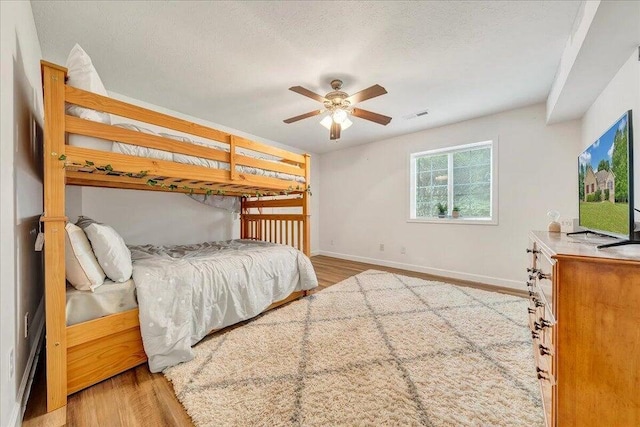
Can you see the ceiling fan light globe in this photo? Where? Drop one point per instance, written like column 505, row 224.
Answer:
column 339, row 115
column 326, row 122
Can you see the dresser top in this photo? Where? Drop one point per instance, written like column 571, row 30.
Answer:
column 583, row 245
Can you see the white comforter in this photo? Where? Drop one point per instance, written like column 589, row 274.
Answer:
column 186, row 291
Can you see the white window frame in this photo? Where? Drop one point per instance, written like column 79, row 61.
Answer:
column 492, row 220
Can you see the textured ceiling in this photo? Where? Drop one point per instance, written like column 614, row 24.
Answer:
column 232, row 62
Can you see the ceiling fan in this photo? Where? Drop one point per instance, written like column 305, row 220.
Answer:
column 339, row 105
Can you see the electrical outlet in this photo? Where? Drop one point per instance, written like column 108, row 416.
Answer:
column 403, row 250
column 12, row 365
column 382, row 247
column 26, row 325
column 566, row 225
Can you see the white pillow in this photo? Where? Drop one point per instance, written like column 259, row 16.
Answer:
column 82, row 268
column 112, row 252
column 192, row 160
column 82, row 74
column 137, row 150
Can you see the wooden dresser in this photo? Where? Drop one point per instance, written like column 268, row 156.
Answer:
column 584, row 317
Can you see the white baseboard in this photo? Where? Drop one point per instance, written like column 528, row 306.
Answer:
column 314, row 253
column 496, row 281
column 27, row 378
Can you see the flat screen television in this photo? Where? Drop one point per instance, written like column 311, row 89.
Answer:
column 605, row 182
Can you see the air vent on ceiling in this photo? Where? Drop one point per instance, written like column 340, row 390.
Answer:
column 415, row 115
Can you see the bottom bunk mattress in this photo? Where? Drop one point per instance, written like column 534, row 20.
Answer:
column 109, row 298
column 186, row 291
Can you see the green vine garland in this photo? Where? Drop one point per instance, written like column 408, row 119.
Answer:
column 172, row 187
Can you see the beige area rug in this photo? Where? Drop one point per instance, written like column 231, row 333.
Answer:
column 375, row 349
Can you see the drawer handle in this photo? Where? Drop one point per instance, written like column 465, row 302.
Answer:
column 537, row 302
column 542, row 276
column 545, row 323
column 531, row 310
column 533, row 270
column 530, row 284
column 541, row 376
column 533, row 295
column 545, row 351
column 535, row 335
column 532, row 277
column 532, row 251
column 539, row 326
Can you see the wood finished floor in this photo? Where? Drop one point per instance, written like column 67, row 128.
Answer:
column 139, row 398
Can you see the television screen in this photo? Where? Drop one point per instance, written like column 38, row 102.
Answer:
column 605, row 181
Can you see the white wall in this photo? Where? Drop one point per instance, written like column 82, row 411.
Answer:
column 620, row 95
column 365, row 198
column 161, row 218
column 21, row 288
column 158, row 218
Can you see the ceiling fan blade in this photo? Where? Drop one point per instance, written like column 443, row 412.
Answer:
column 303, row 116
column 308, row 93
column 371, row 116
column 363, row 95
column 334, row 133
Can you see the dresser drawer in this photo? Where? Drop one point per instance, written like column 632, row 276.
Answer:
column 542, row 331
column 546, row 391
column 544, row 354
column 541, row 272
column 544, row 361
column 544, row 279
column 540, row 312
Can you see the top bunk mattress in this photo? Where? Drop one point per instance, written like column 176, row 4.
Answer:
column 135, row 150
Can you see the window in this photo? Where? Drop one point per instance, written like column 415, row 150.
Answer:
column 458, row 177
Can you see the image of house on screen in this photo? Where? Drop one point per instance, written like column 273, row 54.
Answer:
column 599, row 186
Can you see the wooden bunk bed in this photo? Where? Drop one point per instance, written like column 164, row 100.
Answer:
column 86, row 353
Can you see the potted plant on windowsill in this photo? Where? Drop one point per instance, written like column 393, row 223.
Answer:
column 455, row 212
column 442, row 210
